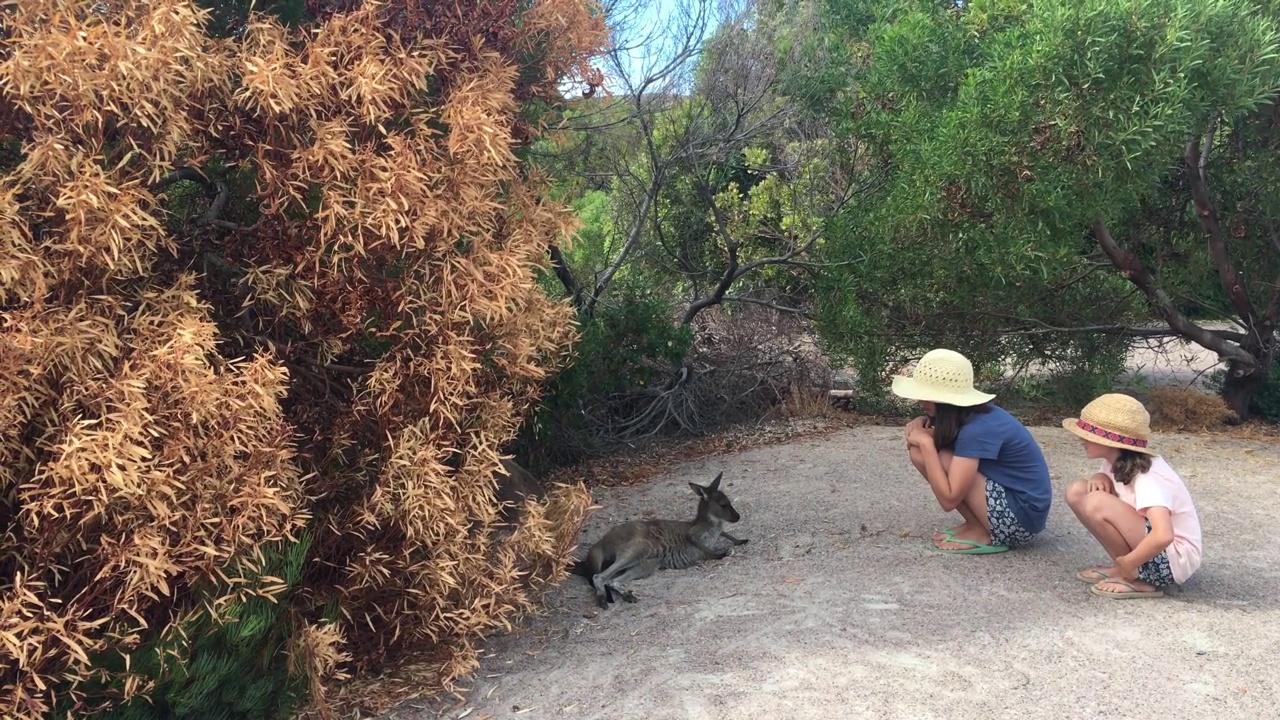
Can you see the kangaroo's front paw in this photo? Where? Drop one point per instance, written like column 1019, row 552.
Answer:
column 628, row 596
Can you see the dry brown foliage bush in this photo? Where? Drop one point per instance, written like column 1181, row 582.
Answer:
column 345, row 347
column 1175, row 409
column 761, row 363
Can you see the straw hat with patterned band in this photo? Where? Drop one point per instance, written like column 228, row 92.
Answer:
column 941, row 376
column 1114, row 420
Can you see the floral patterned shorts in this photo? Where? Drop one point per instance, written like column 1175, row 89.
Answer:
column 1005, row 529
column 1156, row 570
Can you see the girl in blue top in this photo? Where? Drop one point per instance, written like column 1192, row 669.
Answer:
column 977, row 458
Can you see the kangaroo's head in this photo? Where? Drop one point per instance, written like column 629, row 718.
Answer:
column 713, row 504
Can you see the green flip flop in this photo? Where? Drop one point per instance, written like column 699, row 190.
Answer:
column 977, row 549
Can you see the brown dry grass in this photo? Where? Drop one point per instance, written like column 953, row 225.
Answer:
column 1176, row 409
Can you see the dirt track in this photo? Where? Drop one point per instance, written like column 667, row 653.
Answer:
column 837, row 609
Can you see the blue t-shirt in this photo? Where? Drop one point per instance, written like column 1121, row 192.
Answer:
column 1010, row 457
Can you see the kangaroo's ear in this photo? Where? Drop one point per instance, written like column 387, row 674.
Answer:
column 701, row 491
column 715, row 484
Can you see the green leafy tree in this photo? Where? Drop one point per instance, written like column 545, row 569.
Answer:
column 701, row 272
column 1063, row 174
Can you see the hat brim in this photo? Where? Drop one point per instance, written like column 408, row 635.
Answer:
column 1070, row 426
column 912, row 389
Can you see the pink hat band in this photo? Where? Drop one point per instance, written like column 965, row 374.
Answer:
column 1112, row 436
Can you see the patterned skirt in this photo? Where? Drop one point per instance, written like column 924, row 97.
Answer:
column 1005, row 528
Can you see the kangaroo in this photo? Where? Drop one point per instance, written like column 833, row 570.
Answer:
column 514, row 485
column 635, row 549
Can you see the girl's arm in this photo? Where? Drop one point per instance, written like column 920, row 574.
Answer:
column 1160, row 537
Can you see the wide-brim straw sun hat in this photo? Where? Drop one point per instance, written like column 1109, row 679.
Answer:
column 941, row 376
column 1114, row 420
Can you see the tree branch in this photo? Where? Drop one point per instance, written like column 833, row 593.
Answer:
column 780, row 259
column 184, row 173
column 335, row 367
column 731, row 272
column 1272, row 314
column 1135, row 272
column 766, row 303
column 1208, row 147
column 1232, row 283
column 565, row 274
column 1125, row 330
column 216, row 190
column 633, row 239
column 214, row 213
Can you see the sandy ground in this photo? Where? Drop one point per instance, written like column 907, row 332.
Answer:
column 838, row 609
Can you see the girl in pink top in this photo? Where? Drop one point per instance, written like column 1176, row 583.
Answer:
column 1136, row 505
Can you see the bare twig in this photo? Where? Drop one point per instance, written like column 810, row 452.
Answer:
column 226, row 225
column 1124, row 330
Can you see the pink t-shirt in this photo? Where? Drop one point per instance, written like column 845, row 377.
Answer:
column 1162, row 486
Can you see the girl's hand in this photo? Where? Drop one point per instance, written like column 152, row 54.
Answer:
column 1100, row 482
column 919, row 423
column 920, row 437
column 1126, row 569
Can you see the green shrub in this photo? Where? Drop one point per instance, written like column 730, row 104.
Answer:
column 630, row 343
column 233, row 668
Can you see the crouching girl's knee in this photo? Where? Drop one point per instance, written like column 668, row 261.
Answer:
column 917, row 457
column 1077, row 492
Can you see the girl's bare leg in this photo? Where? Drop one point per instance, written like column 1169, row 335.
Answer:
column 1113, row 522
column 977, row 530
column 973, row 509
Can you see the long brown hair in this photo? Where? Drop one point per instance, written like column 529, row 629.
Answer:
column 1130, row 465
column 948, row 419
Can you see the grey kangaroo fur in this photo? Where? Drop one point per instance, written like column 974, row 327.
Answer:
column 637, row 548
